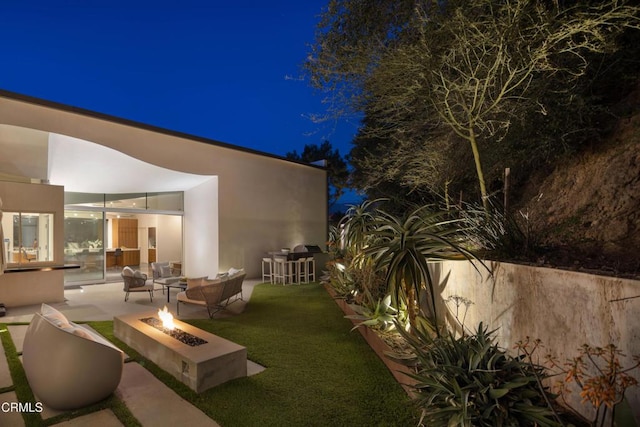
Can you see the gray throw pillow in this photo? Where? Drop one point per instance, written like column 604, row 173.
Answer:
column 165, row 271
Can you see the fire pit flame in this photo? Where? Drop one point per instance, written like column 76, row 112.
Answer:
column 167, row 319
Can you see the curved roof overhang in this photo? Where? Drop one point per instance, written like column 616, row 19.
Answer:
column 106, row 162
column 87, row 167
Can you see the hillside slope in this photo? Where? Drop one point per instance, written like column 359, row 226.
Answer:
column 587, row 212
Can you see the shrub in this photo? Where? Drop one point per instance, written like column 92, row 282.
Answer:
column 350, row 272
column 601, row 379
column 470, row 381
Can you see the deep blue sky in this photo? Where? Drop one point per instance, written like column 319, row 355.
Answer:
column 228, row 71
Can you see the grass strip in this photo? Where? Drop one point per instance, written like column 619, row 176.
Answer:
column 318, row 371
column 21, row 385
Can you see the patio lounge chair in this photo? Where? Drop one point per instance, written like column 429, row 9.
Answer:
column 86, row 367
column 135, row 281
column 164, row 274
column 215, row 294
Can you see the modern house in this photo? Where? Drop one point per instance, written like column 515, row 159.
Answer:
column 98, row 192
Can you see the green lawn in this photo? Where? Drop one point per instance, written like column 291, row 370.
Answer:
column 318, row 372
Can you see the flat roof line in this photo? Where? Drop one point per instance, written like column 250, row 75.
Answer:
column 119, row 120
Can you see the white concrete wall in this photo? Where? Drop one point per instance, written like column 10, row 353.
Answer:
column 564, row 309
column 169, row 239
column 266, row 206
column 144, row 223
column 33, row 287
column 201, row 248
column 21, row 152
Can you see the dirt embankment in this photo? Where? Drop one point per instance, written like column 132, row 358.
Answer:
column 588, row 210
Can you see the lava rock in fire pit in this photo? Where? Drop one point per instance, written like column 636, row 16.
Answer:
column 179, row 334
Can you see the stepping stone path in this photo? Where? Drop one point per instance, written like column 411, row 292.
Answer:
column 150, row 401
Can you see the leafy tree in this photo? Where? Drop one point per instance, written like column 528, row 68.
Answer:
column 431, row 74
column 337, row 171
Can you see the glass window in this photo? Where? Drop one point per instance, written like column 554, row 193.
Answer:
column 166, row 201
column 83, row 199
column 126, row 201
column 28, row 237
column 84, row 245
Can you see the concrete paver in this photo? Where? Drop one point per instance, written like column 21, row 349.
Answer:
column 47, row 411
column 155, row 404
column 8, row 417
column 104, row 418
column 17, row 335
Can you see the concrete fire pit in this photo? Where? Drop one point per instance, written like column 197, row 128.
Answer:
column 199, row 366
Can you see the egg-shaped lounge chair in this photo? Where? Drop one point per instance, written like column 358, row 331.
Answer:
column 68, row 366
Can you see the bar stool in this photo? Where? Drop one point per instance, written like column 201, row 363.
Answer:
column 290, row 271
column 267, row 263
column 116, row 255
column 301, row 270
column 284, row 270
column 279, row 269
column 310, row 269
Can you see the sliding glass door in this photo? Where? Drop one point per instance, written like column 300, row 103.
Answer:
column 105, row 232
column 84, row 246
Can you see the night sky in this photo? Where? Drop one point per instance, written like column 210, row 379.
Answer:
column 229, row 71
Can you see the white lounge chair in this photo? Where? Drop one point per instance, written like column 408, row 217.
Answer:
column 67, row 365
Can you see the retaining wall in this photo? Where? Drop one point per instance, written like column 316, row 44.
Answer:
column 564, row 309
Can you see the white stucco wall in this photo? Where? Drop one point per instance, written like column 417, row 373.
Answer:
column 31, row 287
column 22, row 153
column 201, row 230
column 564, row 309
column 169, row 238
column 273, row 206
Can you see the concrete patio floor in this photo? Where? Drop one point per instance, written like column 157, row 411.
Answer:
column 148, row 399
column 104, row 301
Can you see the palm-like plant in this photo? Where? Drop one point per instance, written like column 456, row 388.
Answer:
column 403, row 246
column 351, row 270
column 356, row 227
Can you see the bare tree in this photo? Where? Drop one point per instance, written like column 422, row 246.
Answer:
column 464, row 67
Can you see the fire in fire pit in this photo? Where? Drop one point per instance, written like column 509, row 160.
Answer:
column 167, row 318
column 165, row 324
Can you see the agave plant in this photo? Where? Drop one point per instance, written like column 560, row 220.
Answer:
column 380, row 314
column 333, row 243
column 404, row 246
column 340, row 279
column 351, row 273
column 470, row 381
